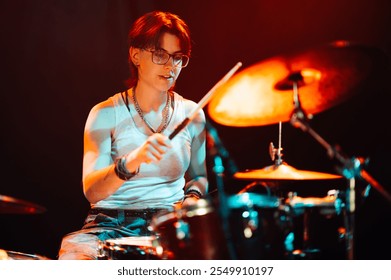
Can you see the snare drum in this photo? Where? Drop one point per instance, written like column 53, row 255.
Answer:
column 259, row 226
column 192, row 232
column 129, row 248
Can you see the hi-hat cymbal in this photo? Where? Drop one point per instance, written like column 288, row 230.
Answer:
column 283, row 172
column 10, row 205
column 262, row 94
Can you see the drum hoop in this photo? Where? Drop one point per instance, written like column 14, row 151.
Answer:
column 135, row 241
column 111, row 247
column 328, row 201
column 202, row 207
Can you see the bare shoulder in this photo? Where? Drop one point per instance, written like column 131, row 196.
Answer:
column 102, row 106
column 102, row 115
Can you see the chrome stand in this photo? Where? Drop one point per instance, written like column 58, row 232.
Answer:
column 352, row 168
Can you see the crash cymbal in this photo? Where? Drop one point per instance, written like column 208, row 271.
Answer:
column 262, row 94
column 283, row 172
column 10, row 205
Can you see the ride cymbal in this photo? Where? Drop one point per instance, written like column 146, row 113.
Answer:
column 283, row 172
column 10, row 205
column 262, row 94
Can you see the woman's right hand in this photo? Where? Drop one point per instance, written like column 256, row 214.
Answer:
column 152, row 150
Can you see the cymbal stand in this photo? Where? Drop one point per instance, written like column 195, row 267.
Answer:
column 276, row 156
column 218, row 169
column 352, row 168
column 273, row 152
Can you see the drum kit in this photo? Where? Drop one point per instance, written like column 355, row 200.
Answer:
column 250, row 225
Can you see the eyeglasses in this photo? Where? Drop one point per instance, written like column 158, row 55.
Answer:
column 161, row 57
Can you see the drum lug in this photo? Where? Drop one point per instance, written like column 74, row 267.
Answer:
column 250, row 222
column 182, row 230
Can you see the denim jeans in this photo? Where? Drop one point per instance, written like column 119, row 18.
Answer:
column 84, row 244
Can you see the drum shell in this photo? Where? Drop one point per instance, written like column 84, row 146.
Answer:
column 193, row 232
column 318, row 227
column 265, row 240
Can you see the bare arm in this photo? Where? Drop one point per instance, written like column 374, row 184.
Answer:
column 99, row 178
column 197, row 173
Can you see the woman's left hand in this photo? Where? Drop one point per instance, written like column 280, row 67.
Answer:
column 191, row 200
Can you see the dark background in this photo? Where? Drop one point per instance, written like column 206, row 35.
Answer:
column 59, row 58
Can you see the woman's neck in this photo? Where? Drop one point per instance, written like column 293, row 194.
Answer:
column 149, row 99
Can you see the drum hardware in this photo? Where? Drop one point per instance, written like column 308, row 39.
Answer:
column 259, row 235
column 216, row 147
column 281, row 171
column 351, row 169
column 182, row 230
column 250, row 220
column 218, row 153
column 223, row 208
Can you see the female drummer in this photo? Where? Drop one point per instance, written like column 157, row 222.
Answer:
column 131, row 168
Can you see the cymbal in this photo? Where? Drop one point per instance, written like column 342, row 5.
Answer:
column 283, row 172
column 10, row 205
column 13, row 255
column 262, row 94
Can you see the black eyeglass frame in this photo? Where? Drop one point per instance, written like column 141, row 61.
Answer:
column 157, row 60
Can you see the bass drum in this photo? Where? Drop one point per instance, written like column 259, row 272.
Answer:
column 260, row 227
column 129, row 248
column 191, row 232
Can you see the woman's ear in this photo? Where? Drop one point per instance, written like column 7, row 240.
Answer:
column 134, row 55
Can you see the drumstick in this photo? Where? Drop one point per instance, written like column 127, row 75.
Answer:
column 204, row 101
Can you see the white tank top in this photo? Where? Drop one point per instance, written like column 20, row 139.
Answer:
column 157, row 185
